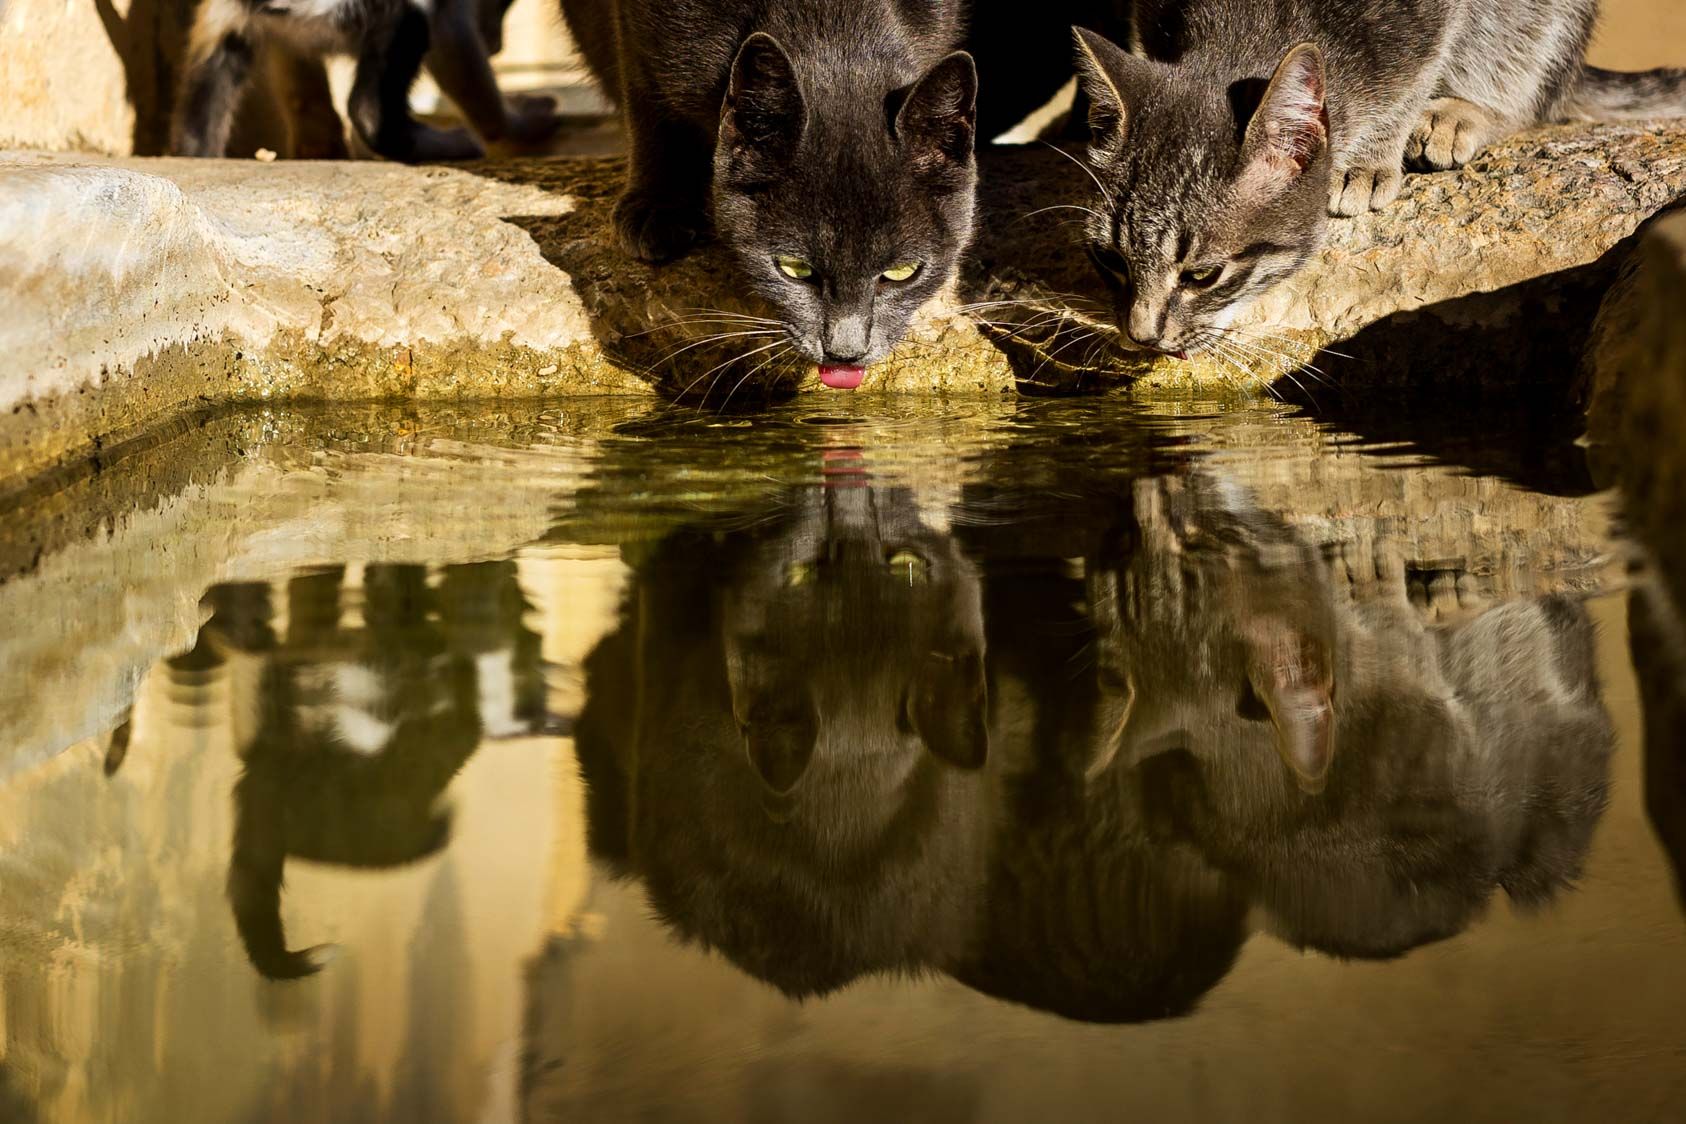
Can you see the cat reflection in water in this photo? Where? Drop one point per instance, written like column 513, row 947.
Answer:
column 784, row 739
column 1368, row 777
column 785, row 743
column 350, row 735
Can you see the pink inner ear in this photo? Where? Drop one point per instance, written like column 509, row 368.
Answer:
column 1294, row 120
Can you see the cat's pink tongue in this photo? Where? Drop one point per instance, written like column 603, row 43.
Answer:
column 841, row 378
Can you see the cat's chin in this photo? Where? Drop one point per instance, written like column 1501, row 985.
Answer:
column 841, row 377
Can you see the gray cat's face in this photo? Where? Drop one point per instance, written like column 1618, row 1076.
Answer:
column 844, row 217
column 855, row 635
column 1209, row 196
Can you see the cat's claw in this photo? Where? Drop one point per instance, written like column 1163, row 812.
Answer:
column 656, row 230
column 1450, row 133
column 1358, row 190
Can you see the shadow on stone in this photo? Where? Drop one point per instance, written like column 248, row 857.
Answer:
column 681, row 326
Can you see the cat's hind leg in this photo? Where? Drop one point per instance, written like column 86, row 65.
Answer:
column 300, row 82
column 380, row 95
column 220, row 55
column 1450, row 133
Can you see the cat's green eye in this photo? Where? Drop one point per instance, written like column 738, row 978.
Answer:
column 907, row 561
column 798, row 573
column 1202, row 277
column 794, row 268
column 901, row 271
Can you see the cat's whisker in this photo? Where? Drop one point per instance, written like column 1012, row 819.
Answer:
column 1286, row 342
column 1088, row 171
column 1289, row 364
column 1237, row 360
column 1048, row 357
column 718, row 338
column 673, row 325
column 1090, row 211
column 748, row 374
column 725, row 312
column 720, row 367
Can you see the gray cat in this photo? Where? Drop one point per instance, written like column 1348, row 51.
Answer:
column 828, row 144
column 785, row 739
column 1223, row 141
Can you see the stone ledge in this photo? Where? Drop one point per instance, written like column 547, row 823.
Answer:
column 137, row 289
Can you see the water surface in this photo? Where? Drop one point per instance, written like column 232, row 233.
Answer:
column 990, row 762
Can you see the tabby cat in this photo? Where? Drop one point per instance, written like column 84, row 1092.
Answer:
column 1426, row 764
column 1233, row 128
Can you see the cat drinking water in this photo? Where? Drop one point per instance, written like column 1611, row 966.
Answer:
column 1231, row 131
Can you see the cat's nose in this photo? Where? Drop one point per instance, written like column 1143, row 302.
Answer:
column 846, row 339
column 1145, row 326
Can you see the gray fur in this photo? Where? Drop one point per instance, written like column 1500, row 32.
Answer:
column 1198, row 175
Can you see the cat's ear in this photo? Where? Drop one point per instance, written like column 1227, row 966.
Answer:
column 1116, row 708
column 937, row 122
column 1290, row 128
column 1111, row 79
column 948, row 707
column 764, row 114
column 1288, row 674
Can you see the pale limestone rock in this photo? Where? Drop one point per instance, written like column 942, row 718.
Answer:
column 150, row 286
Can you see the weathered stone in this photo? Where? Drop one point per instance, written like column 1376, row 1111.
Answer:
column 140, row 288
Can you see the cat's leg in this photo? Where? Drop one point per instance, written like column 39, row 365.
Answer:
column 254, row 881
column 1450, row 132
column 1370, row 172
column 460, row 62
column 380, row 95
column 220, row 55
column 314, row 128
column 1369, row 178
column 664, row 209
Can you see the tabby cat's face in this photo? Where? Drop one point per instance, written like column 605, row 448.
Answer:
column 1215, row 636
column 1203, row 208
column 845, row 218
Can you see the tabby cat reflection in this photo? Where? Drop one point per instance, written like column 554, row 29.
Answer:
column 1233, row 128
column 829, row 143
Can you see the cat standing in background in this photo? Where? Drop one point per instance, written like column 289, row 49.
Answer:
column 829, row 143
column 1223, row 141
column 390, row 39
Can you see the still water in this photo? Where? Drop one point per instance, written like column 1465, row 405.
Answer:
column 1019, row 761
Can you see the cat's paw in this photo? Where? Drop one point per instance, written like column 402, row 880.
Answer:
column 655, row 229
column 429, row 146
column 1357, row 190
column 1450, row 133
column 533, row 119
